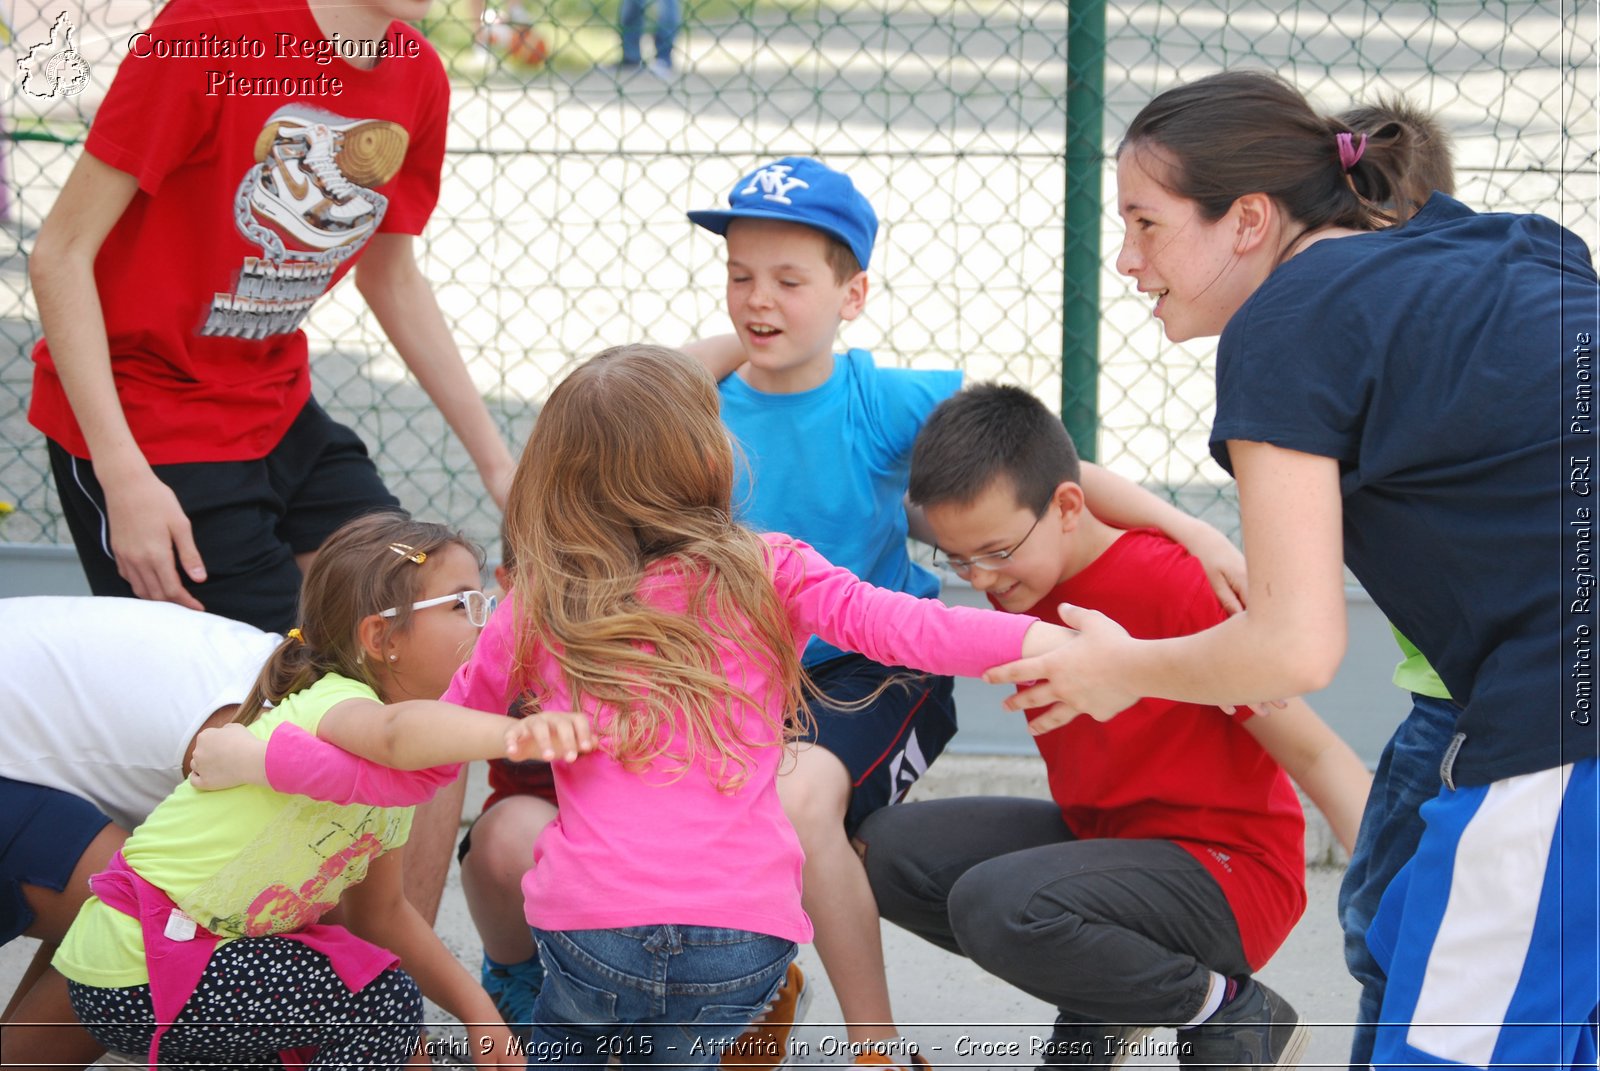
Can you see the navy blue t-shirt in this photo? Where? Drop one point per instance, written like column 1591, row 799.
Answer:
column 1428, row 360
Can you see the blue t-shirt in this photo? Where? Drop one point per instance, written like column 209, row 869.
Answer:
column 830, row 466
column 1428, row 360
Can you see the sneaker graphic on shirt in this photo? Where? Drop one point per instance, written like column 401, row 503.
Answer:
column 310, row 203
column 315, row 174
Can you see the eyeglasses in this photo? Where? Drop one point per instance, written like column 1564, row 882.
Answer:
column 479, row 606
column 987, row 562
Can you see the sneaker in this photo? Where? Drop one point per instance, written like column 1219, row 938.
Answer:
column 889, row 1063
column 623, row 68
column 661, row 69
column 1257, row 1028
column 514, row 988
column 765, row 1043
column 1074, row 1044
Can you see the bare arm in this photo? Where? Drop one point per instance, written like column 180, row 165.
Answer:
column 721, row 354
column 416, row 734
column 379, row 912
column 1288, row 642
column 1124, row 504
column 147, row 526
column 401, row 298
column 1319, row 761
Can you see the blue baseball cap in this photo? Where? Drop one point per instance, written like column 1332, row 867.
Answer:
column 798, row 189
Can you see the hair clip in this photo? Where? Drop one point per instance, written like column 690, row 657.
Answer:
column 297, row 636
column 410, row 554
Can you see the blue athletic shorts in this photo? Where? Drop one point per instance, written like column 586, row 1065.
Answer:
column 889, row 743
column 1490, row 935
column 43, row 834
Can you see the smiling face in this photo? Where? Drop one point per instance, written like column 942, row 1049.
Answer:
column 786, row 304
column 1193, row 267
column 996, row 521
column 436, row 640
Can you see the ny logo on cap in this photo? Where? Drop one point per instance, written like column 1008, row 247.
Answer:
column 774, row 183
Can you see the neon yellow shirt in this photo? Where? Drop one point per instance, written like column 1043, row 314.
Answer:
column 241, row 862
column 1414, row 673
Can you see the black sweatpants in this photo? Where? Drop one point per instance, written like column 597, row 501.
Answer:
column 1109, row 931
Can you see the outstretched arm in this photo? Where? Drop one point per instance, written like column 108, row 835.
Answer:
column 1319, row 761
column 363, row 751
column 1124, row 504
column 1288, row 642
column 296, row 762
column 404, row 303
column 721, row 354
column 415, row 734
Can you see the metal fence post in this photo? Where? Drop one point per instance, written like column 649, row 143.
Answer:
column 1080, row 316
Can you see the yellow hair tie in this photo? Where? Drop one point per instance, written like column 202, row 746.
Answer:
column 297, row 636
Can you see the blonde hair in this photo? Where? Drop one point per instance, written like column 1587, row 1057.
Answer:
column 627, row 482
column 357, row 573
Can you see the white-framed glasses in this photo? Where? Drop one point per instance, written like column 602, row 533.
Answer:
column 987, row 562
column 479, row 606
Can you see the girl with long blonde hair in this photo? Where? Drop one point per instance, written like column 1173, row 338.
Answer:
column 659, row 642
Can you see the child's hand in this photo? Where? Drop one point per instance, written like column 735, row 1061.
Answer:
column 1079, row 675
column 550, row 735
column 1223, row 563
column 493, row 1046
column 226, row 756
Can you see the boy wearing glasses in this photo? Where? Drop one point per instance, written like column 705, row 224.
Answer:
column 1169, row 865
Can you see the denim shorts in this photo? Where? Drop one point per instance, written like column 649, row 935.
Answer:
column 652, row 996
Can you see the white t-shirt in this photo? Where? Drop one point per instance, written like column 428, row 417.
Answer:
column 100, row 697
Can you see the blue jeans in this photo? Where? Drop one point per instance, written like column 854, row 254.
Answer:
column 652, row 996
column 1406, row 778
column 667, row 21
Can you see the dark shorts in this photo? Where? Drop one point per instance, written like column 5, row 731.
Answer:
column 43, row 834
column 250, row 518
column 888, row 744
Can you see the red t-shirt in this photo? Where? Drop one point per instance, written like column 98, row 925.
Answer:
column 1162, row 770
column 261, row 178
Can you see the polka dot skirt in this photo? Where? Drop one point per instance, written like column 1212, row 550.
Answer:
column 259, row 996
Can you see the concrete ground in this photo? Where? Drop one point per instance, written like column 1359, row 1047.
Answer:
column 959, row 1016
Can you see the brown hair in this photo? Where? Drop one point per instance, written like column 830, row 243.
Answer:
column 984, row 432
column 1216, row 139
column 356, row 574
column 1410, row 130
column 840, row 259
column 626, row 481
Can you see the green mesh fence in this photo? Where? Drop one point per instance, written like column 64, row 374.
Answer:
column 561, row 226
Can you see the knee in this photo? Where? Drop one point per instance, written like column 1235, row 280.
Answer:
column 888, row 854
column 989, row 918
column 502, row 839
column 815, row 797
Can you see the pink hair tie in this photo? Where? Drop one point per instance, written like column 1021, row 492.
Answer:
column 1350, row 150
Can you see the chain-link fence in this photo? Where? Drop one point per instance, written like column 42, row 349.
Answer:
column 561, row 227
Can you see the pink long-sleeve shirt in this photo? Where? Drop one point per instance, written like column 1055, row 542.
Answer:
column 658, row 846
